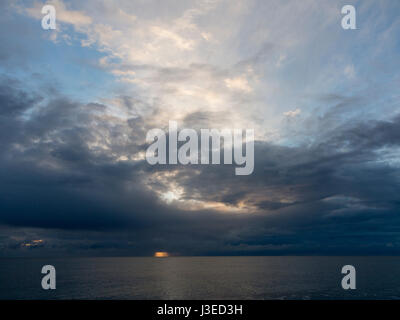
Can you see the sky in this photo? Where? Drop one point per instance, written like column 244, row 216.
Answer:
column 76, row 104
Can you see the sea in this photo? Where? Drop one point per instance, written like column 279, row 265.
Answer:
column 201, row 278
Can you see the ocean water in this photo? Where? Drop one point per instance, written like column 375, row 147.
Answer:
column 201, row 278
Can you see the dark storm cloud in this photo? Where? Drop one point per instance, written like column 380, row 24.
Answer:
column 49, row 175
column 60, row 181
column 336, row 193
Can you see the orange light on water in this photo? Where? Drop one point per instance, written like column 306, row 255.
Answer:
column 161, row 254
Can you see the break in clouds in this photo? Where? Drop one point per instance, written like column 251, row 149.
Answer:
column 77, row 102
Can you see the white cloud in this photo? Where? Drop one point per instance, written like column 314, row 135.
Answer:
column 216, row 57
column 76, row 18
column 349, row 71
column 238, row 83
column 281, row 60
column 292, row 113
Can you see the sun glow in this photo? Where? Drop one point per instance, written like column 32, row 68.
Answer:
column 161, row 254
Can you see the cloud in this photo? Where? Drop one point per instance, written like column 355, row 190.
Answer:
column 72, row 171
column 62, row 170
column 292, row 113
column 238, row 83
column 349, row 71
column 64, row 15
